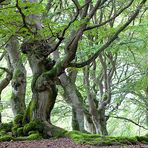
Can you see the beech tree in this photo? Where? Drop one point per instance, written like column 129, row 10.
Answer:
column 44, row 28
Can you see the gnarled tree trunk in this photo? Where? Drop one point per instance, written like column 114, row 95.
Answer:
column 43, row 87
column 44, row 90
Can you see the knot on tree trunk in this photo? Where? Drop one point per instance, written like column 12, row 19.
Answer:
column 41, row 47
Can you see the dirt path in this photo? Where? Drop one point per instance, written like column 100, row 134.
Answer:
column 58, row 143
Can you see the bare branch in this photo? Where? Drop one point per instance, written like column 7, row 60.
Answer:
column 23, row 17
column 113, row 38
column 2, row 56
column 6, row 70
column 76, row 4
column 129, row 120
column 111, row 19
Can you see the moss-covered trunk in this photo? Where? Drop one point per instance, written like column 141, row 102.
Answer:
column 44, row 90
column 43, row 99
column 43, row 87
column 18, row 91
column 18, row 81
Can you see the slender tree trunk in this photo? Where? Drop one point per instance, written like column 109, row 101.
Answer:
column 18, row 82
column 146, row 117
column 3, row 85
column 89, row 125
column 5, row 81
column 72, row 95
column 146, row 104
column 75, row 123
column 81, row 119
column 102, row 122
column 97, row 115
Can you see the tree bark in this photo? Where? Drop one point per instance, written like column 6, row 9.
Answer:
column 146, row 117
column 75, row 123
column 18, row 82
column 102, row 122
column 4, row 83
column 72, row 95
column 146, row 104
column 44, row 90
column 97, row 114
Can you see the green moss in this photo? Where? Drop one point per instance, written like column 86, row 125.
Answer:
column 58, row 132
column 2, row 132
column 18, row 120
column 6, row 126
column 75, row 134
column 14, row 130
column 83, row 138
column 20, row 138
column 27, row 115
column 33, row 126
column 17, row 73
column 32, row 132
column 5, row 138
column 142, row 139
column 94, row 139
column 34, row 136
column 20, row 131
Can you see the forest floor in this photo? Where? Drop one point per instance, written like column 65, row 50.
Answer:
column 57, row 143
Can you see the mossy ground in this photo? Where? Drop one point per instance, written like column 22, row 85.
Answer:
column 94, row 139
column 35, row 131
column 18, row 131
